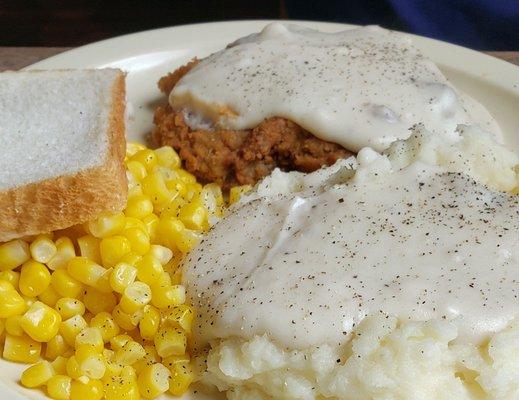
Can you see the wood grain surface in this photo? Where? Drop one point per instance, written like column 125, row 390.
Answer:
column 13, row 58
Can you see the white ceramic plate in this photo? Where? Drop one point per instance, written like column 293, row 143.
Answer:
column 149, row 55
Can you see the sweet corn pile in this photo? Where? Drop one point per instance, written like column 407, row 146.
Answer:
column 98, row 309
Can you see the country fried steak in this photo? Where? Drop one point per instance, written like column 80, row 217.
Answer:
column 239, row 157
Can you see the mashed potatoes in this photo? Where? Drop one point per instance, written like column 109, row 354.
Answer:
column 386, row 360
column 413, row 297
column 469, row 150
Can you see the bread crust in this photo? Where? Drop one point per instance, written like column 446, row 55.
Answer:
column 60, row 202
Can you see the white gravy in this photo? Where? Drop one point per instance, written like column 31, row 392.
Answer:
column 306, row 268
column 358, row 88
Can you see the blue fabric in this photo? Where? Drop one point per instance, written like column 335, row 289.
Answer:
column 480, row 24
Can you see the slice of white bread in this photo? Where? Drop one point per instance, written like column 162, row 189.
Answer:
column 62, row 140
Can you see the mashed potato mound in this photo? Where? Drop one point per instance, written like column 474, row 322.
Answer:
column 469, row 150
column 386, row 358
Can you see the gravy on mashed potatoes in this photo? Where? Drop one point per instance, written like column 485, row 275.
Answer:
column 401, row 248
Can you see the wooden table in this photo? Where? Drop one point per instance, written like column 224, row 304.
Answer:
column 18, row 57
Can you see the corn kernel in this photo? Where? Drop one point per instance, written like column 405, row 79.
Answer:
column 133, row 147
column 13, row 277
column 113, row 249
column 181, row 377
column 149, row 323
column 106, row 325
column 117, row 342
column 135, row 296
column 96, row 301
column 41, row 322
column 124, row 320
column 58, row 387
column 161, row 253
column 194, row 191
column 49, row 296
column 34, row 278
column 72, row 368
column 123, row 386
column 149, row 269
column 68, row 307
column 170, row 341
column 108, row 354
column 137, row 170
column 91, row 389
column 13, row 254
column 138, row 206
column 60, row 365
column 13, row 325
column 21, row 349
column 237, row 191
column 85, row 270
column 187, row 240
column 164, row 279
column 89, row 247
column 132, row 222
column 11, row 303
column 151, row 221
column 166, row 173
column 151, row 357
column 122, row 276
column 134, row 187
column 153, row 381
column 91, row 365
column 91, row 339
column 194, row 215
column 186, row 177
column 146, row 157
column 155, row 188
column 112, row 369
column 57, row 346
column 65, row 285
column 164, row 295
column 170, row 362
column 129, row 353
column 129, row 372
column 107, row 224
column 43, row 249
column 180, row 316
column 177, row 187
column 103, row 283
column 139, row 239
column 131, row 259
column 215, row 192
column 65, row 251
column 167, row 157
column 169, row 230
column 2, row 326
column 37, row 375
column 71, row 327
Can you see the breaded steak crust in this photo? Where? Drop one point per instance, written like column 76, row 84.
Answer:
column 239, row 157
